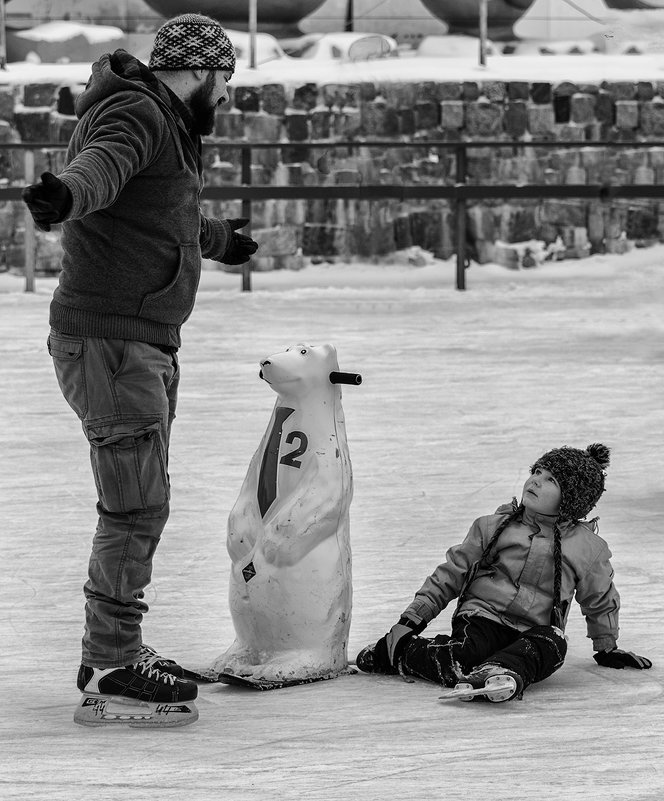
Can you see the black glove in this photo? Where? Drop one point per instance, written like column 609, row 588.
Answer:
column 241, row 246
column 616, row 658
column 389, row 648
column 49, row 201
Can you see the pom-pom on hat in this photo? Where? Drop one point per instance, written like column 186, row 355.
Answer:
column 580, row 474
column 192, row 42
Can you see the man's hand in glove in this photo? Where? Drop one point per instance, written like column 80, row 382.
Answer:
column 619, row 659
column 49, row 201
column 241, row 247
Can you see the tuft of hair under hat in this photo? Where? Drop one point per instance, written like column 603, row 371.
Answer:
column 580, row 475
column 192, row 42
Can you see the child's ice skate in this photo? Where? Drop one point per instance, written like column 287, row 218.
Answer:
column 139, row 695
column 368, row 661
column 493, row 682
column 365, row 659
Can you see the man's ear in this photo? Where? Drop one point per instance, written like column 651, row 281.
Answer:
column 198, row 74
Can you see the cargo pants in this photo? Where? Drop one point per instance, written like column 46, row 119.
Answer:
column 125, row 394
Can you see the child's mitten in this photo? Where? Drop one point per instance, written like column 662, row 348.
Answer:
column 619, row 659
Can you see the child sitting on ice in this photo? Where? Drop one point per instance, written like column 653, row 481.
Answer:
column 514, row 576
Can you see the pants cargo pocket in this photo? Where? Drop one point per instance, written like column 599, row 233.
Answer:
column 67, row 354
column 128, row 464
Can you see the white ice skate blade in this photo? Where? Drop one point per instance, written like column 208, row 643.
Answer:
column 496, row 689
column 113, row 710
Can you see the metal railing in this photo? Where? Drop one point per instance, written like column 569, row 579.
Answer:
column 459, row 193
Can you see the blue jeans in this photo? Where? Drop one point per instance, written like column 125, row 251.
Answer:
column 125, row 394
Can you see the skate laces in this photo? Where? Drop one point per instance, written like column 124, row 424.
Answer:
column 146, row 665
column 146, row 652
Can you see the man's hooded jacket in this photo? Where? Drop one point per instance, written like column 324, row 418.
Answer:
column 135, row 234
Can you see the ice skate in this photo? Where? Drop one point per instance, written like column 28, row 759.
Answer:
column 367, row 662
column 493, row 682
column 138, row 695
column 365, row 659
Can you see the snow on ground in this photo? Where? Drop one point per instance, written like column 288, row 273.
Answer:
column 593, row 68
column 461, row 392
column 64, row 30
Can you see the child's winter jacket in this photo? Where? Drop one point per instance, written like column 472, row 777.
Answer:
column 516, row 588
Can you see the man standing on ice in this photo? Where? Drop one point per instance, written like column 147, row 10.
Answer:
column 133, row 237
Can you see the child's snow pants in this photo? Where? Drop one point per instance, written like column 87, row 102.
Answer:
column 534, row 654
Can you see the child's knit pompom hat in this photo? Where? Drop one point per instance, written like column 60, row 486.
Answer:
column 580, row 474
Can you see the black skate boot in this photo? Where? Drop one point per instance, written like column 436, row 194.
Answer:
column 138, row 695
column 374, row 660
column 365, row 659
column 493, row 682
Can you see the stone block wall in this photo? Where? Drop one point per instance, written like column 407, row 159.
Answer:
column 468, row 111
column 328, row 229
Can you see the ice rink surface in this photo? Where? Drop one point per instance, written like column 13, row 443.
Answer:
column 462, row 392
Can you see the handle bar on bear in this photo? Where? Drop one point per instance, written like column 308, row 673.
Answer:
column 345, row 378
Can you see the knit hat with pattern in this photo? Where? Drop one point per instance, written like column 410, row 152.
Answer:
column 192, row 42
column 580, row 474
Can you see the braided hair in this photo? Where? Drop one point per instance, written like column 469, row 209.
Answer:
column 557, row 611
column 486, row 560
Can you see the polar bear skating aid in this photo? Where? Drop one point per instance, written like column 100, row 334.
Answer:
column 288, row 534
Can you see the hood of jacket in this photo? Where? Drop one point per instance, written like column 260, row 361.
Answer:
column 120, row 72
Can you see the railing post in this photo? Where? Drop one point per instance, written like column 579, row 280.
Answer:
column 246, row 212
column 29, row 237
column 460, row 206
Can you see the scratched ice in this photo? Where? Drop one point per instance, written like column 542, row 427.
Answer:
column 460, row 392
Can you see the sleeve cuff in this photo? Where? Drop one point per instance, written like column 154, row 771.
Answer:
column 605, row 643
column 415, row 618
column 75, row 208
column 215, row 238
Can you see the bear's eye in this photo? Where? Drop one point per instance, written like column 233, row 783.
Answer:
column 303, row 351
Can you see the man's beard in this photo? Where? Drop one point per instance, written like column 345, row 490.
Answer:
column 202, row 109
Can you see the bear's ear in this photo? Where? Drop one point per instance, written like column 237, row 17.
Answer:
column 326, row 349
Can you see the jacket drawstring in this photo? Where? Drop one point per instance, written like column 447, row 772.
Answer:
column 557, row 617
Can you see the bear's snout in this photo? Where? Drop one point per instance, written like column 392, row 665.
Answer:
column 264, row 363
